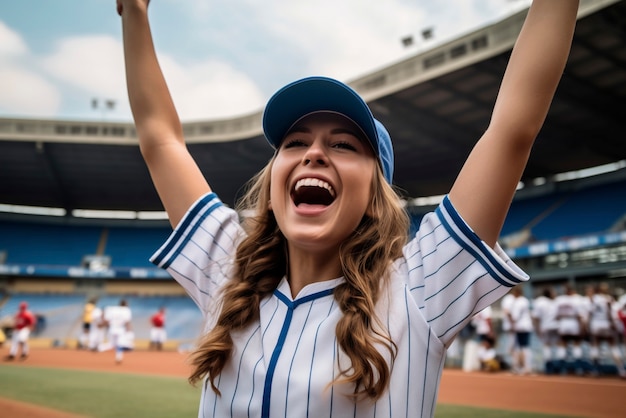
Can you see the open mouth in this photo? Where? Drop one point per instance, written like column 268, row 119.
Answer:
column 312, row 191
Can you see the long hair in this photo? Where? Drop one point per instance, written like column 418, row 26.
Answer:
column 261, row 262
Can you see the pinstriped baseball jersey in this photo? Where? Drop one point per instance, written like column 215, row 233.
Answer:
column 281, row 366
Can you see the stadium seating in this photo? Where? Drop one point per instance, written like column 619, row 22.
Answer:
column 566, row 213
column 132, row 247
column 60, row 316
column 587, row 211
column 557, row 215
column 47, row 244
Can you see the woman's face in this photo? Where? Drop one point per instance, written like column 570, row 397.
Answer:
column 321, row 181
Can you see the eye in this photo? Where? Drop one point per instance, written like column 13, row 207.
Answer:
column 345, row 145
column 293, row 142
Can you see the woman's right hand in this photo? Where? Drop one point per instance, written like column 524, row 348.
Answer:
column 121, row 4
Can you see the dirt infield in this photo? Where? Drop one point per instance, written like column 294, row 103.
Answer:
column 564, row 395
column 573, row 396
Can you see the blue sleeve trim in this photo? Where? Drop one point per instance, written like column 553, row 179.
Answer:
column 473, row 244
column 175, row 240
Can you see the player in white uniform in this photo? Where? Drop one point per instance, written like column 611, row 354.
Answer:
column 522, row 325
column 318, row 305
column 602, row 329
column 571, row 317
column 483, row 328
column 482, row 322
column 120, row 335
column 546, row 326
column 508, row 335
column 619, row 306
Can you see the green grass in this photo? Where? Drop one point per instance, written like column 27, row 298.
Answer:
column 454, row 411
column 101, row 395
column 118, row 395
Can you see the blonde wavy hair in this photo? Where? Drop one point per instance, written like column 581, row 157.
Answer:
column 261, row 262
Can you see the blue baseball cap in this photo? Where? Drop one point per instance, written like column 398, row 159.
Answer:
column 317, row 94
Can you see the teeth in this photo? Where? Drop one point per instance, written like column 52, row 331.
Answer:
column 311, row 182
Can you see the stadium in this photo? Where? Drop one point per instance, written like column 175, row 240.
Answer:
column 79, row 216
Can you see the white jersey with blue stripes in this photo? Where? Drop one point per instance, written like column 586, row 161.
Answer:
column 281, row 365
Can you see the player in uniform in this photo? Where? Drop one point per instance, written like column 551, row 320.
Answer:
column 97, row 329
column 618, row 307
column 318, row 305
column 546, row 326
column 522, row 325
column 88, row 321
column 620, row 313
column 24, row 323
column 570, row 313
column 158, row 335
column 508, row 335
column 481, row 349
column 602, row 329
column 483, row 325
column 120, row 335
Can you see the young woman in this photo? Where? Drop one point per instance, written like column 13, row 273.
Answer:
column 318, row 305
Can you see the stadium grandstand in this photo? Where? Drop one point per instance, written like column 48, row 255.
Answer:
column 79, row 216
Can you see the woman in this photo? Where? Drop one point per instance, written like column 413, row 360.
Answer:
column 320, row 306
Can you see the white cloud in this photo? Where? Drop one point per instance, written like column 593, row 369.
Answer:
column 92, row 63
column 277, row 40
column 272, row 42
column 341, row 39
column 229, row 56
column 27, row 93
column 11, row 43
column 210, row 89
column 22, row 90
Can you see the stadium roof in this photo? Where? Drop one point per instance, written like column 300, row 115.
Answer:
column 435, row 104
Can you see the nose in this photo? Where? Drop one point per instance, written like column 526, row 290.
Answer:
column 315, row 155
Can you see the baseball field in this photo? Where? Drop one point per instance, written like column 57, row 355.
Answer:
column 66, row 383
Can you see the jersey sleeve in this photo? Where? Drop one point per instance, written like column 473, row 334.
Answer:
column 453, row 274
column 199, row 253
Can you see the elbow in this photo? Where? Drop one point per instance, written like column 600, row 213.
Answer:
column 157, row 134
column 148, row 149
column 524, row 139
column 154, row 149
column 158, row 141
column 520, row 136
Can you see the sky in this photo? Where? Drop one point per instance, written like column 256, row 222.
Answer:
column 221, row 58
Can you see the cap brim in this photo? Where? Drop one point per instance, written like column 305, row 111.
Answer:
column 315, row 94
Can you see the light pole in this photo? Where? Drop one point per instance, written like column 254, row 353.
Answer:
column 104, row 105
column 426, row 35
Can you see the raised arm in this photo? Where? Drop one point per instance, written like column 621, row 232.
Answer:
column 176, row 176
column 484, row 189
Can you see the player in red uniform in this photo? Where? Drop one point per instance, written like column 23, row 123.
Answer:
column 24, row 323
column 157, row 332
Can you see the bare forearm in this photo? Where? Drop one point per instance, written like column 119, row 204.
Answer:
column 485, row 186
column 175, row 174
column 153, row 110
column 536, row 65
